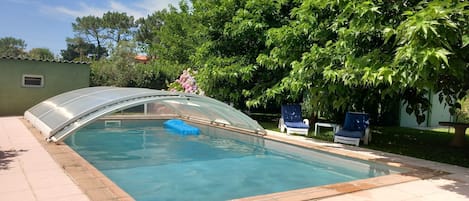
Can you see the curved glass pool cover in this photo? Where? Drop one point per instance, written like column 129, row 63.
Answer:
column 60, row 116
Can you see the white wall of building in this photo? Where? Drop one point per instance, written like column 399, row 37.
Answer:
column 438, row 112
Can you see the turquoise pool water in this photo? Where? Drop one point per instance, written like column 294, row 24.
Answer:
column 150, row 163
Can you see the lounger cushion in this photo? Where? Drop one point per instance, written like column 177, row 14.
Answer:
column 296, row 125
column 355, row 121
column 352, row 134
column 291, row 113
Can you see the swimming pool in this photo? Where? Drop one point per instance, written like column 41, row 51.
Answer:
column 152, row 164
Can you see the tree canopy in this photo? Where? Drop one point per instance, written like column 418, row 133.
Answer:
column 118, row 26
column 120, row 69
column 12, row 47
column 107, row 30
column 41, row 53
column 91, row 29
column 334, row 55
column 236, row 35
column 80, row 50
column 15, row 47
column 170, row 37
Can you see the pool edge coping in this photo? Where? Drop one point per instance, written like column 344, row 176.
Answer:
column 88, row 178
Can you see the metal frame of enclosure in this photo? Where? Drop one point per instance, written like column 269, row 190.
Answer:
column 60, row 116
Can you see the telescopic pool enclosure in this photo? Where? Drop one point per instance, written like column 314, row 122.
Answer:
column 60, row 116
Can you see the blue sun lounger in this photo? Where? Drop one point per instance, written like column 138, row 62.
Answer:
column 356, row 128
column 292, row 121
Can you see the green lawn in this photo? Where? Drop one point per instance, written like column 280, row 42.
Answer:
column 445, row 130
column 425, row 144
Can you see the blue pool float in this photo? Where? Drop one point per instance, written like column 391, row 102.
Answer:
column 180, row 127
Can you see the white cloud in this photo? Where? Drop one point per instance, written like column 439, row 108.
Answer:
column 119, row 7
column 151, row 5
column 83, row 10
column 137, row 9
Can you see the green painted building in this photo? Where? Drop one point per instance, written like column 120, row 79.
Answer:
column 26, row 82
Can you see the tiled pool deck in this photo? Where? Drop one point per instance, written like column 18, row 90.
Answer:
column 31, row 169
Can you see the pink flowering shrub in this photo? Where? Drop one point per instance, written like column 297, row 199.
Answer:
column 186, row 83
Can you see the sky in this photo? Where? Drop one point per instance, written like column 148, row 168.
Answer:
column 47, row 23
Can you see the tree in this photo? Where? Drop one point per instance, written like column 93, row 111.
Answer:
column 105, row 31
column 91, row 28
column 144, row 34
column 431, row 50
column 363, row 53
column 12, row 47
column 333, row 55
column 177, row 37
column 118, row 26
column 41, row 54
column 80, row 50
column 121, row 69
column 170, row 38
column 236, row 34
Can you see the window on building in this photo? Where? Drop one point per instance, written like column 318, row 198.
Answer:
column 33, row 81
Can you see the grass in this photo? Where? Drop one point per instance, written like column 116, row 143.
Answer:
column 426, row 144
column 451, row 130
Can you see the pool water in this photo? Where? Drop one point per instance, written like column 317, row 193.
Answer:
column 151, row 163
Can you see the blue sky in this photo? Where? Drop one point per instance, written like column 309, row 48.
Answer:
column 47, row 23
